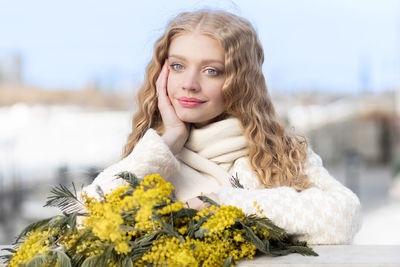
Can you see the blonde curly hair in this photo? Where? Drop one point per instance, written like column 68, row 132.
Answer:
column 275, row 156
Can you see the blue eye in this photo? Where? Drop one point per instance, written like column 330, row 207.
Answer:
column 212, row 72
column 176, row 66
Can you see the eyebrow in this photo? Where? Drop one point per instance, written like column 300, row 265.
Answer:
column 204, row 61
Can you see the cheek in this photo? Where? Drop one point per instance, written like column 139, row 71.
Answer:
column 216, row 93
column 221, row 102
column 217, row 97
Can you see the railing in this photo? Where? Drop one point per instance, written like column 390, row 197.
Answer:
column 329, row 256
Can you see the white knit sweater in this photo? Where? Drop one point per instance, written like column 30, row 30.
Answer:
column 327, row 213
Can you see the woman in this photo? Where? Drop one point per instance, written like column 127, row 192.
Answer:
column 205, row 115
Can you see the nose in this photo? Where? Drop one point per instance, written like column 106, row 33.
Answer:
column 191, row 81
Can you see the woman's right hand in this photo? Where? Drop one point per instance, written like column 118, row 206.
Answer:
column 176, row 131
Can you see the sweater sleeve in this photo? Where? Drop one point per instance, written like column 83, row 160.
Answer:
column 150, row 156
column 327, row 213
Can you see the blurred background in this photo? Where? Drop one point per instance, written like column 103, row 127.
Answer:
column 69, row 71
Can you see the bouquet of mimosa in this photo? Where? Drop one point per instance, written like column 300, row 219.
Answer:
column 142, row 224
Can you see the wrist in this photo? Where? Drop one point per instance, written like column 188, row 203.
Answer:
column 174, row 140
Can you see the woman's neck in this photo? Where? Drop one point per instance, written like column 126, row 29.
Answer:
column 218, row 118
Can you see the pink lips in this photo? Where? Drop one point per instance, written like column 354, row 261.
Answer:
column 190, row 102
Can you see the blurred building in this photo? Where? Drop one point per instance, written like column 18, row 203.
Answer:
column 372, row 139
column 365, row 128
column 11, row 68
column 397, row 102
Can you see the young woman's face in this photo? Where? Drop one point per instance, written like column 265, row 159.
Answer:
column 196, row 77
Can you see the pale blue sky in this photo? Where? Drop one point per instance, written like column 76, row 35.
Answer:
column 309, row 44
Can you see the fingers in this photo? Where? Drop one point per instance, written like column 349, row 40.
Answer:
column 164, row 104
column 162, row 80
column 196, row 203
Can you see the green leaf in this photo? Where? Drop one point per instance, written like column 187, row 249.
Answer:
column 266, row 244
column 208, row 200
column 167, row 228
column 265, row 224
column 285, row 249
column 77, row 259
column 87, row 235
column 228, row 262
column 31, row 227
column 9, row 250
column 185, row 212
column 7, row 257
column 100, row 260
column 65, row 199
column 130, row 178
column 146, row 240
column 194, row 226
column 130, row 228
column 100, row 193
column 127, row 262
column 62, row 258
column 235, row 181
column 72, row 220
column 173, row 196
column 64, row 221
column 94, row 261
column 108, row 251
column 303, row 250
column 38, row 261
column 137, row 253
column 200, row 233
column 254, row 239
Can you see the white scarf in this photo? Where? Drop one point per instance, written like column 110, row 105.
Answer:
column 211, row 150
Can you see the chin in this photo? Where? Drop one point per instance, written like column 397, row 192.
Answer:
column 190, row 118
column 196, row 120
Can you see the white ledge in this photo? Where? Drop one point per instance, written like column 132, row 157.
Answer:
column 339, row 255
column 329, row 256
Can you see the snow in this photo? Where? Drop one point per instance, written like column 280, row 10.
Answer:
column 48, row 137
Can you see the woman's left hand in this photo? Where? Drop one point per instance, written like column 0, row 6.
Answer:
column 196, row 203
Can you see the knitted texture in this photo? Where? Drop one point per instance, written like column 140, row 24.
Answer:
column 151, row 155
column 327, row 213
